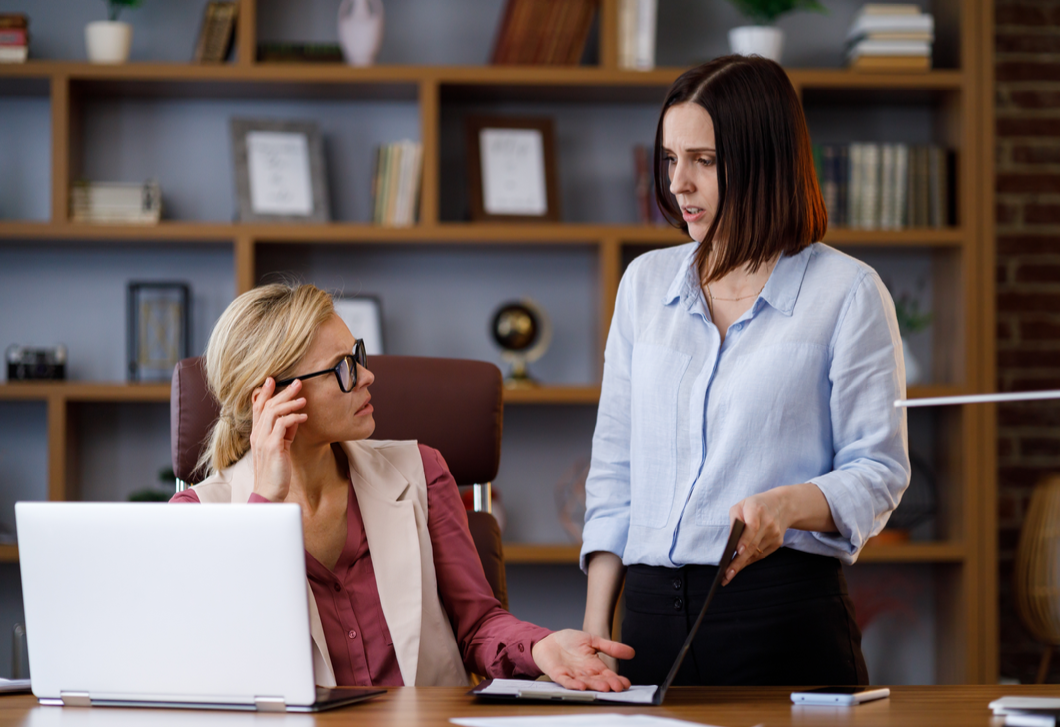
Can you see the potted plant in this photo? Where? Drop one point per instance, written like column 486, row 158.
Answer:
column 108, row 41
column 761, row 38
column 910, row 321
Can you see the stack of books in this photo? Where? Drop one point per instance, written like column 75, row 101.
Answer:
column 1027, row 711
column 890, row 38
column 543, row 32
column 14, row 38
column 116, row 203
column 637, row 20
column 396, row 183
column 887, row 186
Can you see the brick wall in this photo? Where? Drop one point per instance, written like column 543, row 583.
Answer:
column 1028, row 280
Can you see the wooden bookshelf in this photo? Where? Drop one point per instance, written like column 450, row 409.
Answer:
column 961, row 100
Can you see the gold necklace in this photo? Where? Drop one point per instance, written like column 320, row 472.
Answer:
column 733, row 300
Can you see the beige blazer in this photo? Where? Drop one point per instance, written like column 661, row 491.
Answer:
column 391, row 491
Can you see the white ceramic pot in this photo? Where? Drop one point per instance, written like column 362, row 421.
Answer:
column 360, row 30
column 913, row 373
column 760, row 40
column 108, row 41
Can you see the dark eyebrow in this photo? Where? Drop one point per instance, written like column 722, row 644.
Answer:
column 694, row 151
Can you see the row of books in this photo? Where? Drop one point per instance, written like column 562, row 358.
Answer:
column 637, row 20
column 116, row 202
column 648, row 212
column 544, row 32
column 14, row 38
column 890, row 38
column 396, row 183
column 887, row 186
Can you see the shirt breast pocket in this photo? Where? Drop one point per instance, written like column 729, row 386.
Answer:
column 655, row 386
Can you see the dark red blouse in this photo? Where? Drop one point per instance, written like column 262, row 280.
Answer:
column 492, row 642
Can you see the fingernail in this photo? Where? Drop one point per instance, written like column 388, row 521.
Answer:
column 740, row 549
column 731, row 573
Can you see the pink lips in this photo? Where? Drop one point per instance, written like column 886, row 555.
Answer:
column 693, row 218
column 366, row 408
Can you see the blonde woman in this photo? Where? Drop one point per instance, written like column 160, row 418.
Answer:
column 398, row 595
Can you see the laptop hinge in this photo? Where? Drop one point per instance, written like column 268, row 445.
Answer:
column 270, row 704
column 75, row 699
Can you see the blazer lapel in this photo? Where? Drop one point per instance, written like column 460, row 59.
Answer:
column 390, row 526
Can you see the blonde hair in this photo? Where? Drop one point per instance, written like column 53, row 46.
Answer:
column 264, row 332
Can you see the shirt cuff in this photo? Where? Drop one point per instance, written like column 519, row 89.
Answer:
column 520, row 653
column 607, row 534
column 255, row 497
column 848, row 502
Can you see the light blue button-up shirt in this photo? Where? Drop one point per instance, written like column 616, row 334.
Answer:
column 801, row 390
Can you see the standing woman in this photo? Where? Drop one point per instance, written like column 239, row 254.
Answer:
column 749, row 374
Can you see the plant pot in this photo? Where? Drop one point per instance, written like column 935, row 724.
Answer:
column 760, row 40
column 914, row 373
column 108, row 41
column 360, row 30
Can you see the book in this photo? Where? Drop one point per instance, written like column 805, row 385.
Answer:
column 14, row 53
column 116, row 202
column 869, row 47
column 888, row 220
column 14, row 20
column 867, row 24
column 396, row 183
column 644, row 39
column 901, row 182
column 887, row 9
column 543, row 32
column 14, row 36
column 277, row 52
column 890, row 64
column 217, row 32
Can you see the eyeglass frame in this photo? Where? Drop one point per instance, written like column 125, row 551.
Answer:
column 359, row 356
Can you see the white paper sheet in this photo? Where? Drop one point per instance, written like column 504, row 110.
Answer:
column 278, row 165
column 575, row 720
column 513, row 172
column 515, row 687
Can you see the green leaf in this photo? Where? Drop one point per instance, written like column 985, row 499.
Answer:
column 765, row 12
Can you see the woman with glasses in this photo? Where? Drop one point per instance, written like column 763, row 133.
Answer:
column 296, row 415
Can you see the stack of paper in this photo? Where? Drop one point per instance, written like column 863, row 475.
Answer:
column 116, row 202
column 1027, row 711
column 396, row 183
column 637, row 20
column 890, row 38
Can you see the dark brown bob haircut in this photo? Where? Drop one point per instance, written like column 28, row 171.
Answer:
column 769, row 201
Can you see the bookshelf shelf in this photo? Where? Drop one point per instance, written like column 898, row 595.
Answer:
column 8, row 553
column 953, row 105
column 562, row 554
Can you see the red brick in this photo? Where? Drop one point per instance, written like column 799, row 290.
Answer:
column 1033, row 126
column 1038, row 273
column 1040, row 446
column 1016, row 42
column 1039, row 330
column 1045, row 414
column 1028, row 154
column 1026, row 71
column 1029, row 359
column 1031, row 302
column 1041, row 214
column 1033, row 183
column 1019, row 14
column 1027, row 244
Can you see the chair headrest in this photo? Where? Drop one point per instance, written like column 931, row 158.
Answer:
column 453, row 405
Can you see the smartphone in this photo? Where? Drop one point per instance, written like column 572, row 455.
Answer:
column 839, row 696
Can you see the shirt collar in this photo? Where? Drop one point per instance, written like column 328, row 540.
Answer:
column 781, row 291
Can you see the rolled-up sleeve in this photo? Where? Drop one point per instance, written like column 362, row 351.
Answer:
column 607, row 487
column 871, row 461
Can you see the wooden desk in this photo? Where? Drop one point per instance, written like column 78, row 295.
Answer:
column 946, row 706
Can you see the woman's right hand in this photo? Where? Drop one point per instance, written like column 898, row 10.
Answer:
column 276, row 420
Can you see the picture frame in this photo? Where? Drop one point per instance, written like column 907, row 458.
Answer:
column 159, row 329
column 279, row 171
column 511, row 169
column 363, row 315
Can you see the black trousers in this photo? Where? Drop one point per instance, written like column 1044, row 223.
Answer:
column 784, row 620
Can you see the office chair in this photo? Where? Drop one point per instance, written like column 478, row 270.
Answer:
column 453, row 405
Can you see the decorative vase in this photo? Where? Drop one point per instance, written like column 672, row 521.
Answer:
column 360, row 30
column 760, row 40
column 108, row 41
column 913, row 373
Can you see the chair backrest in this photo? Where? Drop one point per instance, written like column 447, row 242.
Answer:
column 453, row 405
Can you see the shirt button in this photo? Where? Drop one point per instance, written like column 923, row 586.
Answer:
column 337, row 588
column 677, row 584
column 678, row 603
column 521, row 648
column 353, row 634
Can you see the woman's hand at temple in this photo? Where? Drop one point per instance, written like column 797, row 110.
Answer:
column 276, row 420
column 767, row 517
column 572, row 659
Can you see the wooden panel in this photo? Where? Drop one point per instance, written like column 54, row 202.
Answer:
column 246, row 268
column 430, row 123
column 247, row 33
column 553, row 395
column 608, row 14
column 61, row 148
column 58, row 439
column 8, row 553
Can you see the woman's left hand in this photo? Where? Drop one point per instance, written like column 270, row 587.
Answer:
column 767, row 517
column 572, row 659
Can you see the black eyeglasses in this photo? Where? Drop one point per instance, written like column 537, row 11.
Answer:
column 345, row 370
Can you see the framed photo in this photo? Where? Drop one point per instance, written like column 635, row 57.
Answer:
column 279, row 171
column 363, row 315
column 512, row 169
column 159, row 329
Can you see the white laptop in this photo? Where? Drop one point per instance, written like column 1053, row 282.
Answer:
column 195, row 606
